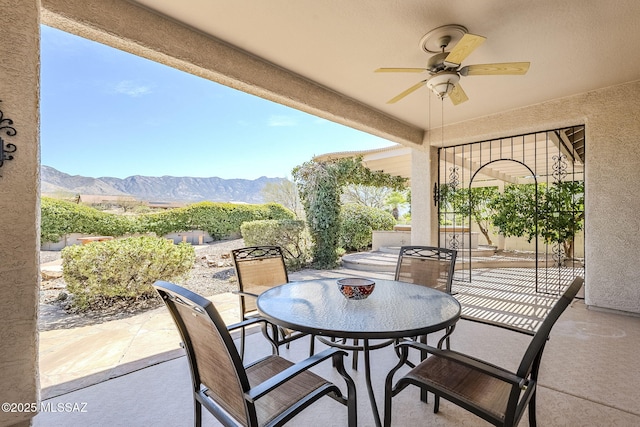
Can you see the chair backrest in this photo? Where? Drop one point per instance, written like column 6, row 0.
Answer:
column 426, row 265
column 213, row 358
column 258, row 268
column 533, row 354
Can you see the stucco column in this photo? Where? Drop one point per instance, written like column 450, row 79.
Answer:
column 19, row 205
column 424, row 170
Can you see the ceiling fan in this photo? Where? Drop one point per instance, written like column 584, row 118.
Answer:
column 444, row 67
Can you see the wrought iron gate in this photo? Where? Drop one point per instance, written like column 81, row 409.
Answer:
column 530, row 184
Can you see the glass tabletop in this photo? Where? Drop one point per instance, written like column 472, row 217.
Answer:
column 394, row 309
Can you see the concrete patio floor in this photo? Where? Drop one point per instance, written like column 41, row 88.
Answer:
column 588, row 377
column 74, row 358
column 133, row 372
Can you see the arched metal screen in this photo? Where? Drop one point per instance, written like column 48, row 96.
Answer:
column 522, row 194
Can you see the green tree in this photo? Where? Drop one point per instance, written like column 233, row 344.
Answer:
column 396, row 200
column 320, row 185
column 560, row 213
column 478, row 203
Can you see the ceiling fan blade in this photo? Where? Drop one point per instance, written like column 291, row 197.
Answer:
column 406, row 92
column 457, row 95
column 467, row 44
column 505, row 68
column 400, row 70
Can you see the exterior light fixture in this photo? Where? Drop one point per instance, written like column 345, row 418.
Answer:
column 6, row 149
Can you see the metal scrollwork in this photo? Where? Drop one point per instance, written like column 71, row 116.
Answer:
column 559, row 167
column 454, row 242
column 454, row 177
column 6, row 150
column 558, row 255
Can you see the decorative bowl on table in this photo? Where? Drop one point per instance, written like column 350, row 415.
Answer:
column 355, row 287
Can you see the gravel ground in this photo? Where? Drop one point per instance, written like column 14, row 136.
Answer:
column 212, row 273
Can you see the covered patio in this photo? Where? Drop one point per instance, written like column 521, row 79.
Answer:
column 576, row 387
column 319, row 57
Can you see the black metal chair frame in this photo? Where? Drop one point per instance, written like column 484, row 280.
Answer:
column 523, row 382
column 278, row 335
column 173, row 295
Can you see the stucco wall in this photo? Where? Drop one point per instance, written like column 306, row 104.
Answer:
column 19, row 280
column 612, row 175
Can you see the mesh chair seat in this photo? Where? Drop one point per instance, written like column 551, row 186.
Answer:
column 472, row 386
column 286, row 395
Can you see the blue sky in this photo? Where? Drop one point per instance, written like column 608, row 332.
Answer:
column 105, row 112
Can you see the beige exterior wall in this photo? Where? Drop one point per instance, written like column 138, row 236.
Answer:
column 612, row 176
column 19, row 204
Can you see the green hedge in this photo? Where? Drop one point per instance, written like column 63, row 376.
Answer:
column 59, row 217
column 291, row 235
column 220, row 220
column 357, row 223
column 101, row 274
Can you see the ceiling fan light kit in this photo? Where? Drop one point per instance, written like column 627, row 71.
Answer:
column 445, row 66
column 442, row 83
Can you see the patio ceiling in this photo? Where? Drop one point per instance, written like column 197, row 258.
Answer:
column 574, row 46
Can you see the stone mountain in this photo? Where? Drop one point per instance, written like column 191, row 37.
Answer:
column 164, row 188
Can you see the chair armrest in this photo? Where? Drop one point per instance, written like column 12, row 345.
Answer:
column 266, row 386
column 245, row 294
column 499, row 325
column 246, row 323
column 471, row 362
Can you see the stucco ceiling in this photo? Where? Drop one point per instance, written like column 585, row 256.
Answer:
column 574, row 46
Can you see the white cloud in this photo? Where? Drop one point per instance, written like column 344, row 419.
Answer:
column 282, row 121
column 130, row 88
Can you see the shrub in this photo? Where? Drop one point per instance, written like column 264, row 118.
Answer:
column 290, row 235
column 357, row 223
column 101, row 274
column 220, row 220
column 59, row 217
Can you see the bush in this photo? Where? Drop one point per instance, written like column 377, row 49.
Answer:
column 220, row 220
column 357, row 223
column 59, row 218
column 290, row 235
column 101, row 274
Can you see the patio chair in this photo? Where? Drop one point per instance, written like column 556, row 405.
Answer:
column 489, row 391
column 259, row 268
column 268, row 392
column 427, row 266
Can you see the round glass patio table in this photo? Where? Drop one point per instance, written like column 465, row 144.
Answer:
column 394, row 310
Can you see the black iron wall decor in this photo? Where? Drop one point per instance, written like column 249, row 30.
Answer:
column 6, row 149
